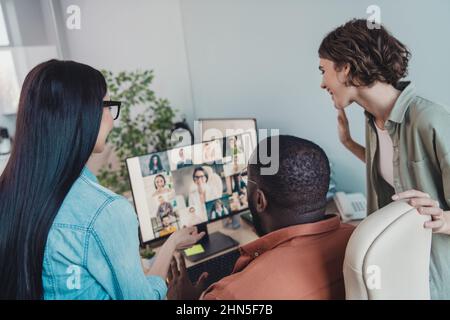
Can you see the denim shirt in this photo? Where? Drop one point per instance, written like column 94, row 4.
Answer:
column 92, row 249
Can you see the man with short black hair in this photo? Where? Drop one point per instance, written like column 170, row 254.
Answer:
column 300, row 252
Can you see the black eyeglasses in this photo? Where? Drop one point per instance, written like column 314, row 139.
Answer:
column 114, row 107
column 199, row 177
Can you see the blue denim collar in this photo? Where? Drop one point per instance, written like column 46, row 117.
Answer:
column 88, row 174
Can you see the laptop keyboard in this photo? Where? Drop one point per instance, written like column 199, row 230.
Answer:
column 217, row 267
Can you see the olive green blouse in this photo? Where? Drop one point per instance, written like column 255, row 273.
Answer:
column 420, row 133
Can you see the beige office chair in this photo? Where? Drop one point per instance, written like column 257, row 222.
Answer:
column 388, row 256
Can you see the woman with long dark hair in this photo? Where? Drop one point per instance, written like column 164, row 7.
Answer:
column 407, row 150
column 62, row 235
column 155, row 164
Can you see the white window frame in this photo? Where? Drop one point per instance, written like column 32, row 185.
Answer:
column 5, row 20
column 9, row 48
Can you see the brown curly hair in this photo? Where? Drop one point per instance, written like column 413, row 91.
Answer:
column 372, row 54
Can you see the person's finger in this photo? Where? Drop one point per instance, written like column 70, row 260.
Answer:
column 423, row 202
column 200, row 235
column 174, row 268
column 410, row 194
column 183, row 270
column 431, row 211
column 435, row 224
column 201, row 282
column 193, row 233
column 194, row 238
column 170, row 274
column 176, row 256
column 341, row 113
column 188, row 243
column 191, row 230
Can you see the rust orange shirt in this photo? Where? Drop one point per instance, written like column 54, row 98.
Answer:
column 297, row 262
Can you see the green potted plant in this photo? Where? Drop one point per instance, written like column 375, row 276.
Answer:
column 147, row 255
column 144, row 125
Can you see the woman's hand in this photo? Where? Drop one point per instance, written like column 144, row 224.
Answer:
column 346, row 139
column 181, row 239
column 440, row 219
column 343, row 128
column 186, row 237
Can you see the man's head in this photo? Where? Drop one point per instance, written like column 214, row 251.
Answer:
column 165, row 221
column 296, row 193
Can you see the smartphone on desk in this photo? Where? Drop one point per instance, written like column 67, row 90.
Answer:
column 351, row 206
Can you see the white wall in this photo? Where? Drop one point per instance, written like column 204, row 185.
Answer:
column 30, row 35
column 259, row 58
column 27, row 14
column 127, row 35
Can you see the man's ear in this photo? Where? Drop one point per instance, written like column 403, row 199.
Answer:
column 261, row 201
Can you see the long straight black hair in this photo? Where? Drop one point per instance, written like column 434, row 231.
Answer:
column 58, row 121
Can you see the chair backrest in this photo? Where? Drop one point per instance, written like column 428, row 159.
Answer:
column 388, row 256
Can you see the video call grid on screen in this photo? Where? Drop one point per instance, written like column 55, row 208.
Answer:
column 189, row 185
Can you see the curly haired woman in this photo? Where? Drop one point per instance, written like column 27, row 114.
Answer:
column 407, row 151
